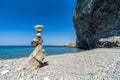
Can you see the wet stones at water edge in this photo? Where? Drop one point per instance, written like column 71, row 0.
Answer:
column 38, row 54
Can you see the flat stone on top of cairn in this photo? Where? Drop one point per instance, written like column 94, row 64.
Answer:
column 39, row 28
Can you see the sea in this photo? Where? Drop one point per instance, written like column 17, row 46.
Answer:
column 12, row 52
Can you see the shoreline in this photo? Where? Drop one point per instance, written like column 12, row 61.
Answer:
column 13, row 52
column 97, row 64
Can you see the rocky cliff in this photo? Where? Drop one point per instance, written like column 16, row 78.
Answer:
column 97, row 23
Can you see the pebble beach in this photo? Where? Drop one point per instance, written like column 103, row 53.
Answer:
column 97, row 64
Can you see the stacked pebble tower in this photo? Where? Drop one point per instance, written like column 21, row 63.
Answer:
column 38, row 55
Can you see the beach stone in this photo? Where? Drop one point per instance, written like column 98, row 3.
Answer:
column 40, row 56
column 36, row 41
column 5, row 72
column 21, row 79
column 39, row 28
column 38, row 34
column 46, row 78
column 34, row 64
column 1, row 66
column 38, row 53
column 35, row 52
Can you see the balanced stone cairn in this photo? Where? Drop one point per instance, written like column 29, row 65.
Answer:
column 38, row 54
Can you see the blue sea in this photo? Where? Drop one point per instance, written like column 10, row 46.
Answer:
column 10, row 52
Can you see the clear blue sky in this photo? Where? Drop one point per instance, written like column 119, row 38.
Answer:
column 18, row 18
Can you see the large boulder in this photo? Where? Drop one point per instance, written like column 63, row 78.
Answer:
column 96, row 19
